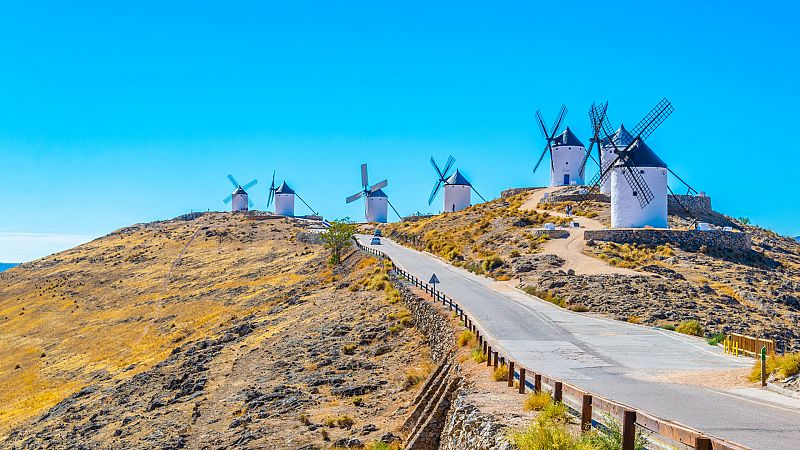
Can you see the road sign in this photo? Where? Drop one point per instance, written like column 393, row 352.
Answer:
column 433, row 279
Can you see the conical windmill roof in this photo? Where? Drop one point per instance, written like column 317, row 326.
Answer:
column 567, row 138
column 239, row 191
column 378, row 193
column 643, row 156
column 621, row 138
column 457, row 179
column 284, row 189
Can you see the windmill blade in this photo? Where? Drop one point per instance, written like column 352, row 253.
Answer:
column 559, row 121
column 270, row 197
column 448, row 165
column 542, row 126
column 304, row 202
column 685, row 209
column 379, row 185
column 272, row 185
column 544, row 152
column 393, row 209
column 582, row 168
column 354, row 197
column 250, row 184
column 637, row 183
column 364, row 179
column 691, row 191
column 479, row 194
column 435, row 191
column 597, row 117
column 436, row 168
column 233, row 181
column 228, row 199
column 653, row 119
column 250, row 203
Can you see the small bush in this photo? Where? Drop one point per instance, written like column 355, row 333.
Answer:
column 515, row 253
column 690, row 327
column 394, row 329
column 383, row 446
column 536, row 401
column 358, row 401
column 477, row 354
column 415, row 375
column 781, row 365
column 612, row 438
column 501, row 373
column 579, row 308
column 349, row 349
column 546, row 296
column 716, row 338
column 668, row 326
column 634, row 319
column 465, row 338
column 304, row 419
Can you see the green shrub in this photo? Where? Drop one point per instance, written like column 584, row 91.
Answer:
column 536, row 401
column 716, row 338
column 611, row 439
column 668, row 326
column 465, row 338
column 781, row 365
column 501, row 373
column 691, row 327
column 477, row 354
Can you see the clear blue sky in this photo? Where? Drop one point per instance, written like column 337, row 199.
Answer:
column 131, row 111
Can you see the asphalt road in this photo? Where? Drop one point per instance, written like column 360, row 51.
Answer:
column 614, row 359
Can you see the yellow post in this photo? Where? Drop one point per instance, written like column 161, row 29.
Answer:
column 725, row 345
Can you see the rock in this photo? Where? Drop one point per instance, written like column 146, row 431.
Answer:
column 348, row 443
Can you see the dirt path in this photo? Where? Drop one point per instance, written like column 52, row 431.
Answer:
column 571, row 248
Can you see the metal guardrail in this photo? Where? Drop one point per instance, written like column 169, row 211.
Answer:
column 589, row 403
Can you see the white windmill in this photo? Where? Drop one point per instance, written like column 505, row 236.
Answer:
column 376, row 202
column 635, row 175
column 239, row 199
column 457, row 190
column 566, row 152
column 283, row 196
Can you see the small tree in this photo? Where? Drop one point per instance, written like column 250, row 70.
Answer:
column 337, row 238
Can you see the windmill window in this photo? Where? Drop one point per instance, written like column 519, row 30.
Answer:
column 641, row 171
column 634, row 193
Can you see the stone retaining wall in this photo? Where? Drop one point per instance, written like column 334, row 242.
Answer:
column 514, row 191
column 466, row 427
column 694, row 203
column 428, row 319
column 689, row 240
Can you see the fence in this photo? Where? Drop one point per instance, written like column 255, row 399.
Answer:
column 588, row 402
column 751, row 346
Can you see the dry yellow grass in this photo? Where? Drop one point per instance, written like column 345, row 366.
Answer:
column 126, row 300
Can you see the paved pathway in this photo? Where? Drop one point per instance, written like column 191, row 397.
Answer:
column 614, row 359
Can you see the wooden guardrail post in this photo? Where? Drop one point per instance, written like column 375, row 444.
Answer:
column 558, row 394
column 628, row 430
column 494, row 362
column 537, row 382
column 489, row 356
column 702, row 443
column 586, row 413
column 511, row 374
column 521, row 380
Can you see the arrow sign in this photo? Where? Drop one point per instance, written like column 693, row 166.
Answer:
column 433, row 279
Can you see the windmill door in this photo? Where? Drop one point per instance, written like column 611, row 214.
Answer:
column 566, row 179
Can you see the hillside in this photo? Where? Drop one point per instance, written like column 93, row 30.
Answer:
column 757, row 293
column 215, row 330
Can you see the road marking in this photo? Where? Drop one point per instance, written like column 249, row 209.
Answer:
column 747, row 399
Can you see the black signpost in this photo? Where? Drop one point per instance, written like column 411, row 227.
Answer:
column 433, row 282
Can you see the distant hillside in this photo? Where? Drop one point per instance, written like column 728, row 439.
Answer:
column 6, row 266
column 215, row 332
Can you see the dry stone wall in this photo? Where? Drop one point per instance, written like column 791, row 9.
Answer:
column 429, row 319
column 689, row 240
column 467, row 427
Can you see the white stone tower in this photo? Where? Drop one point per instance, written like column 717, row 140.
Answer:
column 457, row 193
column 567, row 154
column 239, row 200
column 284, row 200
column 626, row 211
column 377, row 204
column 621, row 139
